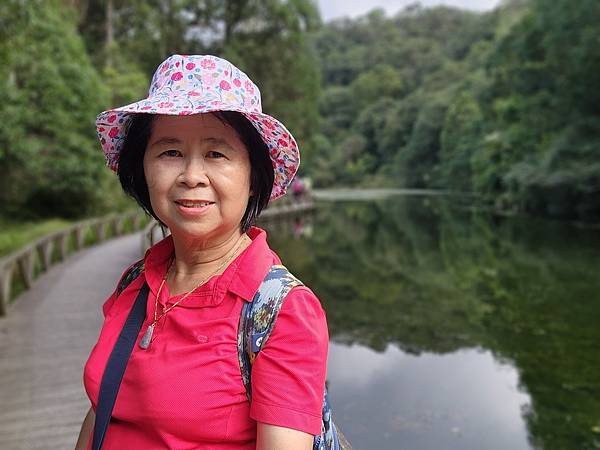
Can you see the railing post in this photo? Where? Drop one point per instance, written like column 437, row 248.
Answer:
column 101, row 231
column 118, row 224
column 63, row 242
column 26, row 262
column 6, row 273
column 46, row 249
column 135, row 221
column 80, row 235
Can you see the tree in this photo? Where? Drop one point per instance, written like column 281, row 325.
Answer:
column 265, row 38
column 461, row 135
column 51, row 95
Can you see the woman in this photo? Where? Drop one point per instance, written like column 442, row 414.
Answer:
column 200, row 156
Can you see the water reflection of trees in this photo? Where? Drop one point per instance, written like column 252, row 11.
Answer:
column 296, row 225
column 427, row 277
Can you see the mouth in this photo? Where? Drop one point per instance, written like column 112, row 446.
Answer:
column 193, row 203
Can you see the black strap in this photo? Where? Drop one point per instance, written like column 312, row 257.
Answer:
column 115, row 367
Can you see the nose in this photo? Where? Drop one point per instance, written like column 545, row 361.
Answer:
column 194, row 172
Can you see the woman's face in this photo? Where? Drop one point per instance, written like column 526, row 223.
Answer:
column 198, row 175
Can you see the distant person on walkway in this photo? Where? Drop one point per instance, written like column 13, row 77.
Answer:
column 200, row 157
column 298, row 189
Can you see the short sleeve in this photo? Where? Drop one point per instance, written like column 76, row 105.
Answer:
column 288, row 375
column 108, row 303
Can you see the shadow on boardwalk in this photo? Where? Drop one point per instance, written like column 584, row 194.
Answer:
column 44, row 342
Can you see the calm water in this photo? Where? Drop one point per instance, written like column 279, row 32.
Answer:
column 452, row 329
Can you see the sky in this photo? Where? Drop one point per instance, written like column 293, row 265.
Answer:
column 331, row 9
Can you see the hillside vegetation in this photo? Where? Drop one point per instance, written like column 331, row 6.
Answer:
column 503, row 104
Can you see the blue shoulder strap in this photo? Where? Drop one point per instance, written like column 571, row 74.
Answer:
column 116, row 365
column 256, row 324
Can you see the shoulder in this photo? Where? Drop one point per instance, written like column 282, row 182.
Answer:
column 299, row 299
column 302, row 314
column 129, row 275
column 288, row 376
column 302, row 297
column 283, row 291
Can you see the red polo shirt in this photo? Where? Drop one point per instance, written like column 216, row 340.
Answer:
column 186, row 390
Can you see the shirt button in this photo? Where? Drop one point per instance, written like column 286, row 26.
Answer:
column 202, row 339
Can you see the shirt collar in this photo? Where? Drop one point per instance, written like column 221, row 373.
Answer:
column 242, row 277
column 255, row 261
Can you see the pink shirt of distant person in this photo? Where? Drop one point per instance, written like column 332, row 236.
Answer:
column 186, row 390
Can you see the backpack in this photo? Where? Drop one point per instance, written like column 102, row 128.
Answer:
column 257, row 320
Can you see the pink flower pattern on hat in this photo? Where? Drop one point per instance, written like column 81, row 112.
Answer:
column 195, row 84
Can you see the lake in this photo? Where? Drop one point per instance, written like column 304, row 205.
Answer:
column 451, row 328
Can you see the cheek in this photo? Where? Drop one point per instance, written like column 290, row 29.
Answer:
column 151, row 173
column 247, row 177
column 148, row 174
column 246, row 191
column 156, row 191
column 237, row 177
column 151, row 182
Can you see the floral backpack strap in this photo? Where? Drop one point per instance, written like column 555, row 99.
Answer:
column 131, row 274
column 256, row 324
column 258, row 317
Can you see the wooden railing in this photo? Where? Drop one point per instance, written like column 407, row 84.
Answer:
column 153, row 232
column 285, row 206
column 26, row 264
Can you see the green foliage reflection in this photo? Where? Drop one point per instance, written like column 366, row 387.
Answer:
column 428, row 277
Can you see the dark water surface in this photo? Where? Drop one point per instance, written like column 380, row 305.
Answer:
column 452, row 329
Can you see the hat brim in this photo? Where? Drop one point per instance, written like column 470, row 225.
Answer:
column 112, row 127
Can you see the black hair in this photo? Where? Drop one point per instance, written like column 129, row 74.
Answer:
column 131, row 163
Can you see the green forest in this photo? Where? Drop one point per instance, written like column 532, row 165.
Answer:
column 503, row 105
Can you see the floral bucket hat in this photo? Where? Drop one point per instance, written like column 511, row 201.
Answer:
column 194, row 84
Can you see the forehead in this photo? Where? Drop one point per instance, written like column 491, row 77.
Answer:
column 193, row 127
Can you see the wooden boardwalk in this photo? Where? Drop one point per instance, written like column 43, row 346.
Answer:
column 44, row 342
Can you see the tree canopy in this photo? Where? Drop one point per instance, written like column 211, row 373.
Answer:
column 501, row 104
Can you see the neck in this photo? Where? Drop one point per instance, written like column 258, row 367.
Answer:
column 194, row 259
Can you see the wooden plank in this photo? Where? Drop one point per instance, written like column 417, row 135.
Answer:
column 44, row 343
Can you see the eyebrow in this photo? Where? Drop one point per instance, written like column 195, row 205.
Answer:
column 167, row 140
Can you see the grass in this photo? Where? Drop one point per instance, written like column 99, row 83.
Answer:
column 15, row 235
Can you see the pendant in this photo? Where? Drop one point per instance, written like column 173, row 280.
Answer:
column 147, row 338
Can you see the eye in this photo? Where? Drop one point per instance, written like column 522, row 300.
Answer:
column 215, row 154
column 171, row 153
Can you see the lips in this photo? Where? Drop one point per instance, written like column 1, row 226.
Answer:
column 193, row 203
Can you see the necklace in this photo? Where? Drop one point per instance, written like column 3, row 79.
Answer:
column 147, row 338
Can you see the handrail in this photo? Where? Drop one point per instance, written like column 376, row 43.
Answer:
column 43, row 249
column 23, row 262
column 154, row 231
column 149, row 234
